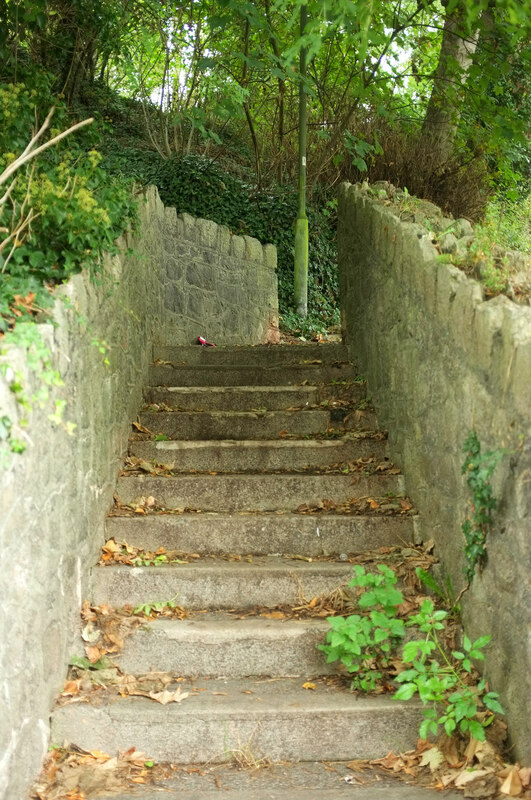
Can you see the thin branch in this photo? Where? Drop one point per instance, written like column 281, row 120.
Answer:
column 39, row 133
column 5, row 198
column 22, row 159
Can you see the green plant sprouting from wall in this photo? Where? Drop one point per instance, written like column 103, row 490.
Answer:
column 367, row 645
column 478, row 468
column 38, row 361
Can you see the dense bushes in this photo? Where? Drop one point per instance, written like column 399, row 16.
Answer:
column 60, row 212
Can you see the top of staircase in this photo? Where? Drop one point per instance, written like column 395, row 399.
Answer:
column 267, row 355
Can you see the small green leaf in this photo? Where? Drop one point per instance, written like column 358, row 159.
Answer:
column 405, row 692
column 476, row 730
column 492, row 703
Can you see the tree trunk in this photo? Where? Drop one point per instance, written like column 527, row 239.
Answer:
column 280, row 99
column 444, row 108
column 247, row 110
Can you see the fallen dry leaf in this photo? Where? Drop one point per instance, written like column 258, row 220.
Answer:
column 309, row 685
column 512, row 784
column 90, row 633
column 110, row 546
column 525, row 776
column 432, row 758
column 448, row 778
column 141, row 428
column 449, row 749
column 166, row 697
column 387, row 762
column 469, row 775
column 71, row 687
column 93, row 653
column 482, row 788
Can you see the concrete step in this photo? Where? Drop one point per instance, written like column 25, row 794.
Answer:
column 211, row 645
column 249, row 375
column 259, row 355
column 258, row 455
column 312, row 535
column 267, row 581
column 234, row 424
column 305, row 780
column 277, row 719
column 248, row 398
column 388, row 791
column 254, row 492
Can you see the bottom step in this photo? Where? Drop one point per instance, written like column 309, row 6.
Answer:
column 303, row 781
column 274, row 719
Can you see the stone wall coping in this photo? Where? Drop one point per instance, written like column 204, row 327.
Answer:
column 210, row 234
column 516, row 319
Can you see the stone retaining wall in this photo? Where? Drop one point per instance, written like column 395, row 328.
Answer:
column 441, row 361
column 220, row 286
column 183, row 277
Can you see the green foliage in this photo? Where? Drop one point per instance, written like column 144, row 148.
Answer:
column 9, row 443
column 82, row 662
column 445, row 593
column 198, row 186
column 363, row 644
column 359, row 151
column 508, row 223
column 26, row 335
column 443, row 682
column 59, row 213
column 76, row 212
column 478, row 468
column 145, row 561
column 148, row 609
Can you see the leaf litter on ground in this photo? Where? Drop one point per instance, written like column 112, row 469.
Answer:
column 478, row 769
column 395, row 505
column 369, row 465
column 404, row 558
column 70, row 773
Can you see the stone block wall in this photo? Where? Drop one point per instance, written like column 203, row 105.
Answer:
column 218, row 285
column 54, row 497
column 441, row 361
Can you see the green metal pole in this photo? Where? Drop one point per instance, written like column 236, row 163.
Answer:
column 301, row 224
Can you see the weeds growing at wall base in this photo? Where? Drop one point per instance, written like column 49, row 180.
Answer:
column 371, row 646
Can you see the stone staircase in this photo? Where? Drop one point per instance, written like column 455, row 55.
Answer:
column 253, row 435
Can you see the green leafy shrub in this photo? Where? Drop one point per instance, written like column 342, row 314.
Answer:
column 71, row 210
column 365, row 644
column 509, row 223
column 444, row 682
